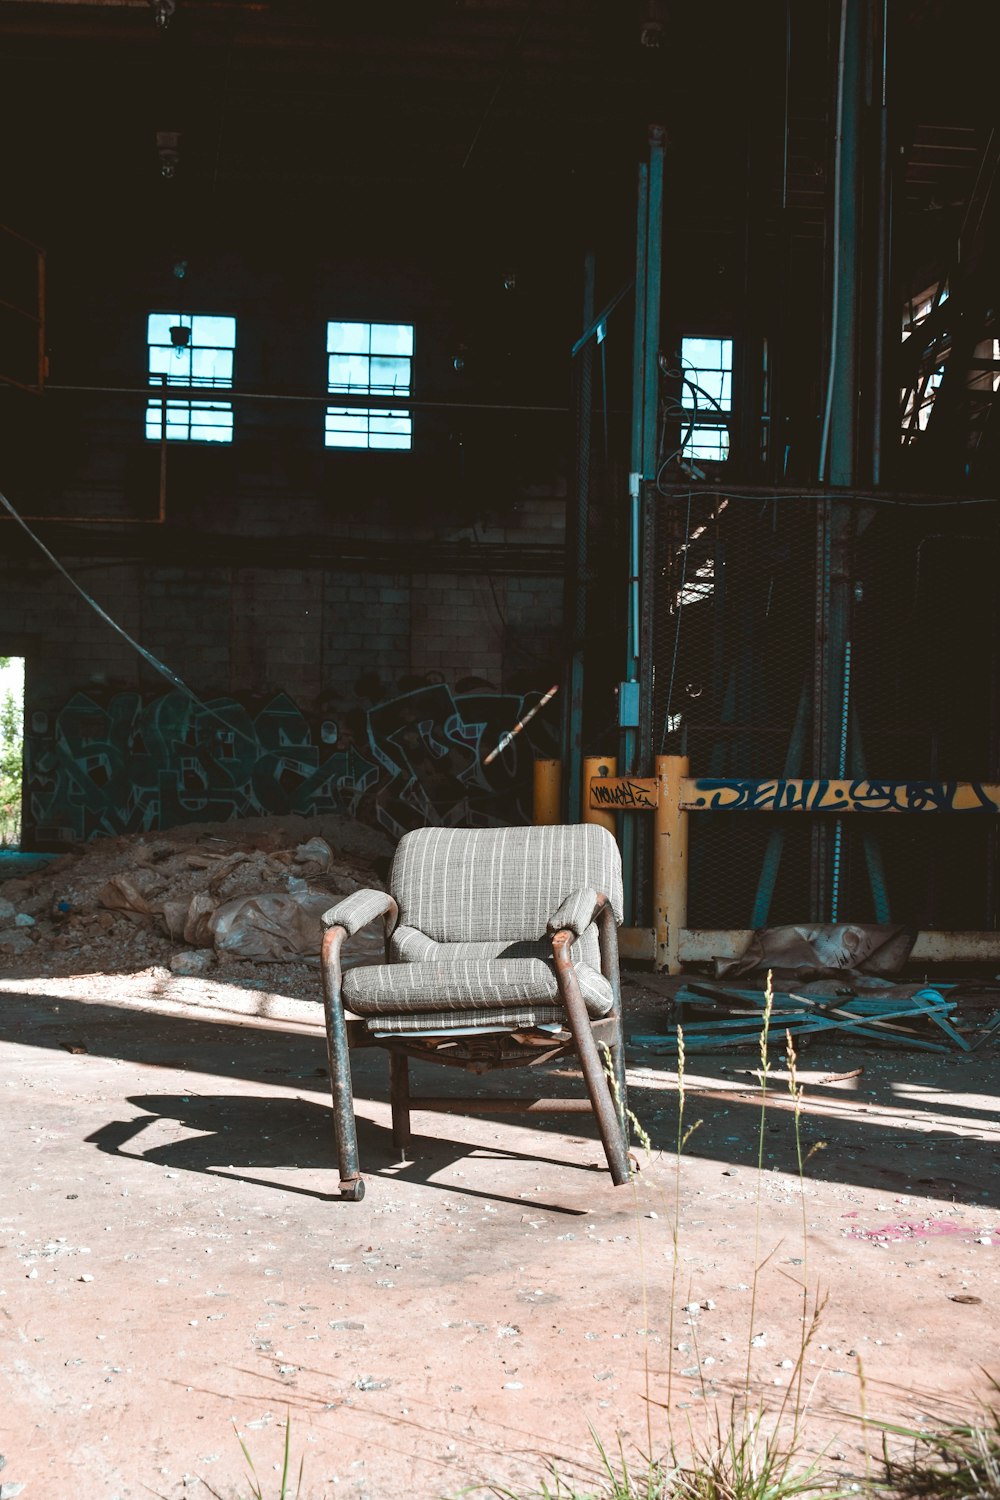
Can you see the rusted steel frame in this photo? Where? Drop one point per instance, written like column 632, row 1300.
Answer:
column 338, row 1053
column 451, row 1057
column 607, row 937
column 399, row 1100
column 339, row 1060
column 503, row 1104
column 612, row 1135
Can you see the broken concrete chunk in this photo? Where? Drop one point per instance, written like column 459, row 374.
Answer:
column 192, row 961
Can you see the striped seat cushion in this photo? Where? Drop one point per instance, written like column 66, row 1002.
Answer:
column 480, row 986
column 441, row 1022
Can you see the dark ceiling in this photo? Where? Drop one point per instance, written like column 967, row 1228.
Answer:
column 352, row 127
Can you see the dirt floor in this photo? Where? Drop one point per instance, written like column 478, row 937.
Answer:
column 175, row 1263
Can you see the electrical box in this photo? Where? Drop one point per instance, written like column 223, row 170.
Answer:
column 628, row 705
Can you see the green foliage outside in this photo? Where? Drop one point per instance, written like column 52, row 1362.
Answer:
column 11, row 754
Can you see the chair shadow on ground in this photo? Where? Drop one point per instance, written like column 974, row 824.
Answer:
column 238, row 1133
column 944, row 1161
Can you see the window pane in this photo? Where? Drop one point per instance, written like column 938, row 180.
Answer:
column 388, row 369
column 346, row 428
column 390, row 375
column 709, row 383
column 708, row 442
column 212, row 331
column 159, row 326
column 703, row 354
column 212, row 366
column 347, row 338
column 176, row 365
column 348, row 372
column 207, row 360
column 389, row 421
column 212, row 424
column 392, row 338
column 707, row 369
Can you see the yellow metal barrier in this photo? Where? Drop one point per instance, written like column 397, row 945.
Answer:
column 672, row 795
column 599, row 769
column 547, row 791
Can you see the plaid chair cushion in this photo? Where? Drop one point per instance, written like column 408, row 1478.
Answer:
column 470, row 985
column 499, row 885
column 357, row 910
column 410, row 946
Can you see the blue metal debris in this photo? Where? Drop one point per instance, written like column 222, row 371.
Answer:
column 892, row 1017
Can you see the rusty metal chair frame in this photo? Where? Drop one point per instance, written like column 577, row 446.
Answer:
column 606, row 1090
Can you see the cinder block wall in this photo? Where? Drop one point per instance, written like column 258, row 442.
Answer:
column 356, row 628
column 324, row 657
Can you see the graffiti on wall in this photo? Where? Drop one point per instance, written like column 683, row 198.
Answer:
column 720, row 794
column 131, row 766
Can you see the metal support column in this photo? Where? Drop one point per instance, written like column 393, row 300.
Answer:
column 838, row 446
column 576, row 553
column 645, row 403
column 884, row 401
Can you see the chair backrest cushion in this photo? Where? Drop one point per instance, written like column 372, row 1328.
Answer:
column 460, row 885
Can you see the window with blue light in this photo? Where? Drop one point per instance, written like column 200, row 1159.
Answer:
column 190, row 351
column 369, row 359
column 706, row 397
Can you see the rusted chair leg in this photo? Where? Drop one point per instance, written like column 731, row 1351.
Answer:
column 612, row 1132
column 352, row 1185
column 399, row 1094
column 608, row 939
column 617, row 1050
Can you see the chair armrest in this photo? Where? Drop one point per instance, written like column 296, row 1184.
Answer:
column 358, row 909
column 577, row 912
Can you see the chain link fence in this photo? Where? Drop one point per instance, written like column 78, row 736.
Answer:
column 736, row 630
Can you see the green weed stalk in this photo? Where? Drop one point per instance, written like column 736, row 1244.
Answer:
column 764, row 1074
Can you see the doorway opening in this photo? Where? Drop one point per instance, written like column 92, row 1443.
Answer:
column 11, row 749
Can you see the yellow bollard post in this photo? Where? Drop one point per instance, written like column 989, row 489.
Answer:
column 548, row 791
column 598, row 765
column 670, row 864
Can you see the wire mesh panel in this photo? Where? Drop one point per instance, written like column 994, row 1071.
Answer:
column 736, row 589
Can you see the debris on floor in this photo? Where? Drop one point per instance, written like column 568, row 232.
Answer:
column 234, row 894
column 919, row 1016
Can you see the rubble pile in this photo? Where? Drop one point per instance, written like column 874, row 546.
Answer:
column 233, row 894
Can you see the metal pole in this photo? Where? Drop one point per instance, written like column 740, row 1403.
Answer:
column 838, row 455
column 883, row 266
column 598, row 765
column 576, row 550
column 843, row 398
column 670, row 864
column 547, row 791
column 163, row 452
column 645, row 395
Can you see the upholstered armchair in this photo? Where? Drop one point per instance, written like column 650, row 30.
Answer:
column 501, row 951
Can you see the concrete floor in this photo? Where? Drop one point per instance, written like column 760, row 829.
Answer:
column 175, row 1261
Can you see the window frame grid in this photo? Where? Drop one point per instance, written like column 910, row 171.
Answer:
column 352, row 349
column 704, row 413
column 188, row 420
